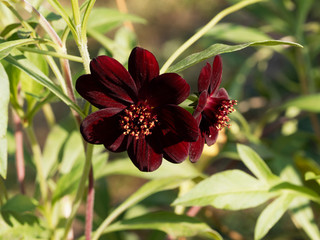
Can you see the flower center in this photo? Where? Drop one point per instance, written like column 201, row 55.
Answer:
column 225, row 108
column 138, row 120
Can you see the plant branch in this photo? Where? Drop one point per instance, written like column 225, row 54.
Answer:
column 90, row 205
column 205, row 29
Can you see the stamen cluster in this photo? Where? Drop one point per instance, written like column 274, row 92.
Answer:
column 222, row 113
column 138, row 120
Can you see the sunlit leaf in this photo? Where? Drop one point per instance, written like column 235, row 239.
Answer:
column 26, row 66
column 218, row 48
column 145, row 191
column 255, row 164
column 105, row 19
column 7, row 46
column 173, row 225
column 232, row 190
column 227, row 31
column 4, row 101
column 271, row 215
column 298, row 190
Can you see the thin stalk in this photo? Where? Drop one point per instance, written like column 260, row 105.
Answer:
column 76, row 15
column 50, row 53
column 37, row 156
column 205, row 29
column 89, row 206
column 49, row 115
column 80, row 191
column 18, row 135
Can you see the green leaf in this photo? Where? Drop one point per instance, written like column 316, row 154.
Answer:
column 73, row 149
column 19, row 203
column 306, row 103
column 31, row 87
column 26, row 66
column 298, row 190
column 218, row 48
column 52, row 149
column 271, row 215
column 4, row 101
column 303, row 217
column 227, row 31
column 231, row 190
column 167, row 169
column 7, row 46
column 173, row 225
column 146, row 190
column 256, row 165
column 105, row 19
column 311, row 176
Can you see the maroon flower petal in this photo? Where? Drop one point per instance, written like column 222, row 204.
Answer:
column 202, row 101
column 196, row 149
column 179, row 121
column 211, row 136
column 117, row 145
column 215, row 79
column 222, row 93
column 100, row 127
column 168, row 88
column 143, row 66
column 115, row 78
column 204, row 78
column 143, row 155
column 177, row 153
column 95, row 93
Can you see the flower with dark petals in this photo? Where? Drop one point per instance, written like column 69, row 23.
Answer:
column 138, row 110
column 212, row 109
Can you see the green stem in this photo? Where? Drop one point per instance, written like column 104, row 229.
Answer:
column 50, row 53
column 37, row 156
column 205, row 29
column 80, row 191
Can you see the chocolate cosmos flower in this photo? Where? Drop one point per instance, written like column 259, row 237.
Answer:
column 213, row 107
column 138, row 110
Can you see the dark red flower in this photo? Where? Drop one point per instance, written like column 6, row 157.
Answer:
column 212, row 109
column 138, row 110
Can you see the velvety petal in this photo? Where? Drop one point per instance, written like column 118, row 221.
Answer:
column 211, row 136
column 177, row 153
column 101, row 127
column 204, row 78
column 168, row 88
column 118, row 145
column 196, row 149
column 202, row 101
column 110, row 73
column 215, row 78
column 222, row 93
column 95, row 93
column 179, row 121
column 143, row 66
column 143, row 155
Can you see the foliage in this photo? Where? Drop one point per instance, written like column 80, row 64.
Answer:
column 261, row 178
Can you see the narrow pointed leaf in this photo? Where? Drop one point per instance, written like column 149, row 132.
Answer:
column 218, row 48
column 40, row 77
column 4, row 101
column 271, row 215
column 232, row 190
column 7, row 46
column 255, row 164
column 146, row 190
column 174, row 225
